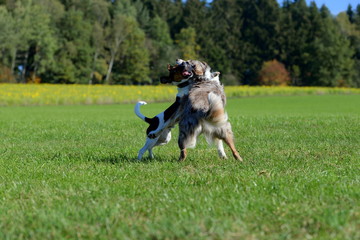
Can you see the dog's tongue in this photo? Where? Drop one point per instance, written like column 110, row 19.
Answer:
column 186, row 73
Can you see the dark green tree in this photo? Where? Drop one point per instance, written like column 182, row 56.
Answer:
column 161, row 47
column 260, row 32
column 99, row 17
column 295, row 25
column 186, row 40
column 43, row 43
column 133, row 64
column 195, row 15
column 29, row 40
column 224, row 50
column 125, row 42
column 75, row 56
column 7, row 41
column 350, row 14
column 329, row 60
column 351, row 29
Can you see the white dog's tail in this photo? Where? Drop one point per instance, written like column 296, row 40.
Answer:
column 137, row 110
column 217, row 115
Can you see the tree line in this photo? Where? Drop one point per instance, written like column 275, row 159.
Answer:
column 131, row 41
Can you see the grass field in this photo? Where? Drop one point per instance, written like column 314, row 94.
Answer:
column 69, row 172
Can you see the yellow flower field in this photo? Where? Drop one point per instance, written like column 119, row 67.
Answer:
column 47, row 94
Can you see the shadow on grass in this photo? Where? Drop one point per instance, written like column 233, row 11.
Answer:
column 127, row 158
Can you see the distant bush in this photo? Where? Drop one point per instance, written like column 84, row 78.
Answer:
column 274, row 73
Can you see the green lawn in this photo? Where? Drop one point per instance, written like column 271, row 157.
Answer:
column 70, row 172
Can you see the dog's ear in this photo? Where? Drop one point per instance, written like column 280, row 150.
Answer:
column 199, row 67
column 215, row 74
column 198, row 70
column 169, row 67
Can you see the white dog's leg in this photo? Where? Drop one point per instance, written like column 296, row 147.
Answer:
column 150, row 143
column 151, row 154
column 141, row 152
column 220, row 148
column 146, row 147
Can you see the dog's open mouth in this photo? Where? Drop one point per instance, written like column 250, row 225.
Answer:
column 186, row 74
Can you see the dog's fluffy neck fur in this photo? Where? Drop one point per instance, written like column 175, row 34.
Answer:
column 183, row 90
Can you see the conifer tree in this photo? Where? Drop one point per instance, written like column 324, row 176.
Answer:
column 260, row 31
column 350, row 14
column 330, row 63
column 355, row 43
column 294, row 31
column 226, row 49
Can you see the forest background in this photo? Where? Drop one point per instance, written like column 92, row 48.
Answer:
column 131, row 41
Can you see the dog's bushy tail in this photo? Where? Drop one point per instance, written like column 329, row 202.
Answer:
column 217, row 115
column 137, row 110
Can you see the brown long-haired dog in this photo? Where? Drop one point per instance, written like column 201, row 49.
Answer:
column 202, row 111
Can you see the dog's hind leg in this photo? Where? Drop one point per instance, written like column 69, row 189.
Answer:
column 151, row 154
column 181, row 142
column 227, row 136
column 141, row 152
column 183, row 154
column 189, row 130
column 229, row 140
column 220, row 148
column 185, row 141
column 150, row 143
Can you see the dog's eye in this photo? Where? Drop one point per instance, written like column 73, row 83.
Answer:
column 193, row 66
